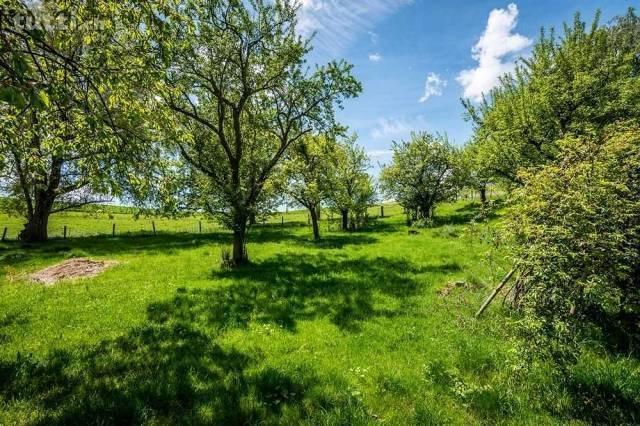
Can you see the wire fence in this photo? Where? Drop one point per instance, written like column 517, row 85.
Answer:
column 81, row 224
column 75, row 227
column 77, row 224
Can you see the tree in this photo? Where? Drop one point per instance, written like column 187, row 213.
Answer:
column 308, row 169
column 576, row 225
column 474, row 170
column 424, row 172
column 236, row 95
column 572, row 86
column 66, row 112
column 351, row 187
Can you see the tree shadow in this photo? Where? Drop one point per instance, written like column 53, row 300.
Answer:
column 618, row 332
column 171, row 370
column 285, row 289
column 9, row 319
column 385, row 225
column 15, row 253
column 174, row 370
column 332, row 240
column 601, row 400
column 465, row 214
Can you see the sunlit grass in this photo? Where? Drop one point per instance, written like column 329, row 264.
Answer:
column 350, row 330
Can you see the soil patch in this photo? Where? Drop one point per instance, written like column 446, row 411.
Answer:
column 71, row 269
column 446, row 290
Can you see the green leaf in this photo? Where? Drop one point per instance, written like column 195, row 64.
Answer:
column 20, row 65
column 12, row 96
column 42, row 99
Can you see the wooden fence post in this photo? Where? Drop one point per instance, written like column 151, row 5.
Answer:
column 113, row 230
column 282, row 221
column 381, row 211
column 200, row 226
column 4, row 234
column 153, row 223
column 64, row 233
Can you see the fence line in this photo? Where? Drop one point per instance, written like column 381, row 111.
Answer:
column 108, row 228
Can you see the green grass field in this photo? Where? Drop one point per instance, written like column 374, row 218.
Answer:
column 355, row 329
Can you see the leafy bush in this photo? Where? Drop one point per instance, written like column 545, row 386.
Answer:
column 577, row 225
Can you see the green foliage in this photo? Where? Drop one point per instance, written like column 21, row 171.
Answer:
column 425, row 171
column 475, row 172
column 234, row 93
column 351, row 188
column 577, row 225
column 563, row 128
column 69, row 105
column 574, row 85
column 309, row 168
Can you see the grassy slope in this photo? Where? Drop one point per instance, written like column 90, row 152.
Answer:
column 350, row 330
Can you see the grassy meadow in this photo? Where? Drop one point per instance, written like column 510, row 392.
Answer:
column 360, row 328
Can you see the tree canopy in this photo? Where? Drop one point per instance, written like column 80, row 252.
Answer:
column 563, row 130
column 69, row 109
column 424, row 172
column 351, row 188
column 572, row 85
column 235, row 94
column 309, row 167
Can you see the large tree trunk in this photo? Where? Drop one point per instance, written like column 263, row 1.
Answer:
column 345, row 219
column 313, row 212
column 239, row 240
column 41, row 205
column 36, row 228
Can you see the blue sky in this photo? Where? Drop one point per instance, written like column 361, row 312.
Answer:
column 415, row 59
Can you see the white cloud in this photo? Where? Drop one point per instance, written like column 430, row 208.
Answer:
column 493, row 52
column 433, row 86
column 397, row 128
column 375, row 57
column 337, row 23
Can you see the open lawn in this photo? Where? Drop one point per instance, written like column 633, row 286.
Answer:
column 354, row 329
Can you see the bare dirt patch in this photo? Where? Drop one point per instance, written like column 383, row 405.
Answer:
column 451, row 287
column 446, row 290
column 71, row 269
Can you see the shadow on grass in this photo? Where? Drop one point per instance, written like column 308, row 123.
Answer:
column 464, row 215
column 9, row 319
column 286, row 289
column 170, row 373
column 173, row 370
column 602, row 400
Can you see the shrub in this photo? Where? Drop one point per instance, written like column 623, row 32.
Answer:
column 577, row 227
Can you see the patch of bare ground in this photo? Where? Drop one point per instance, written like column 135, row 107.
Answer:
column 450, row 287
column 71, row 269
